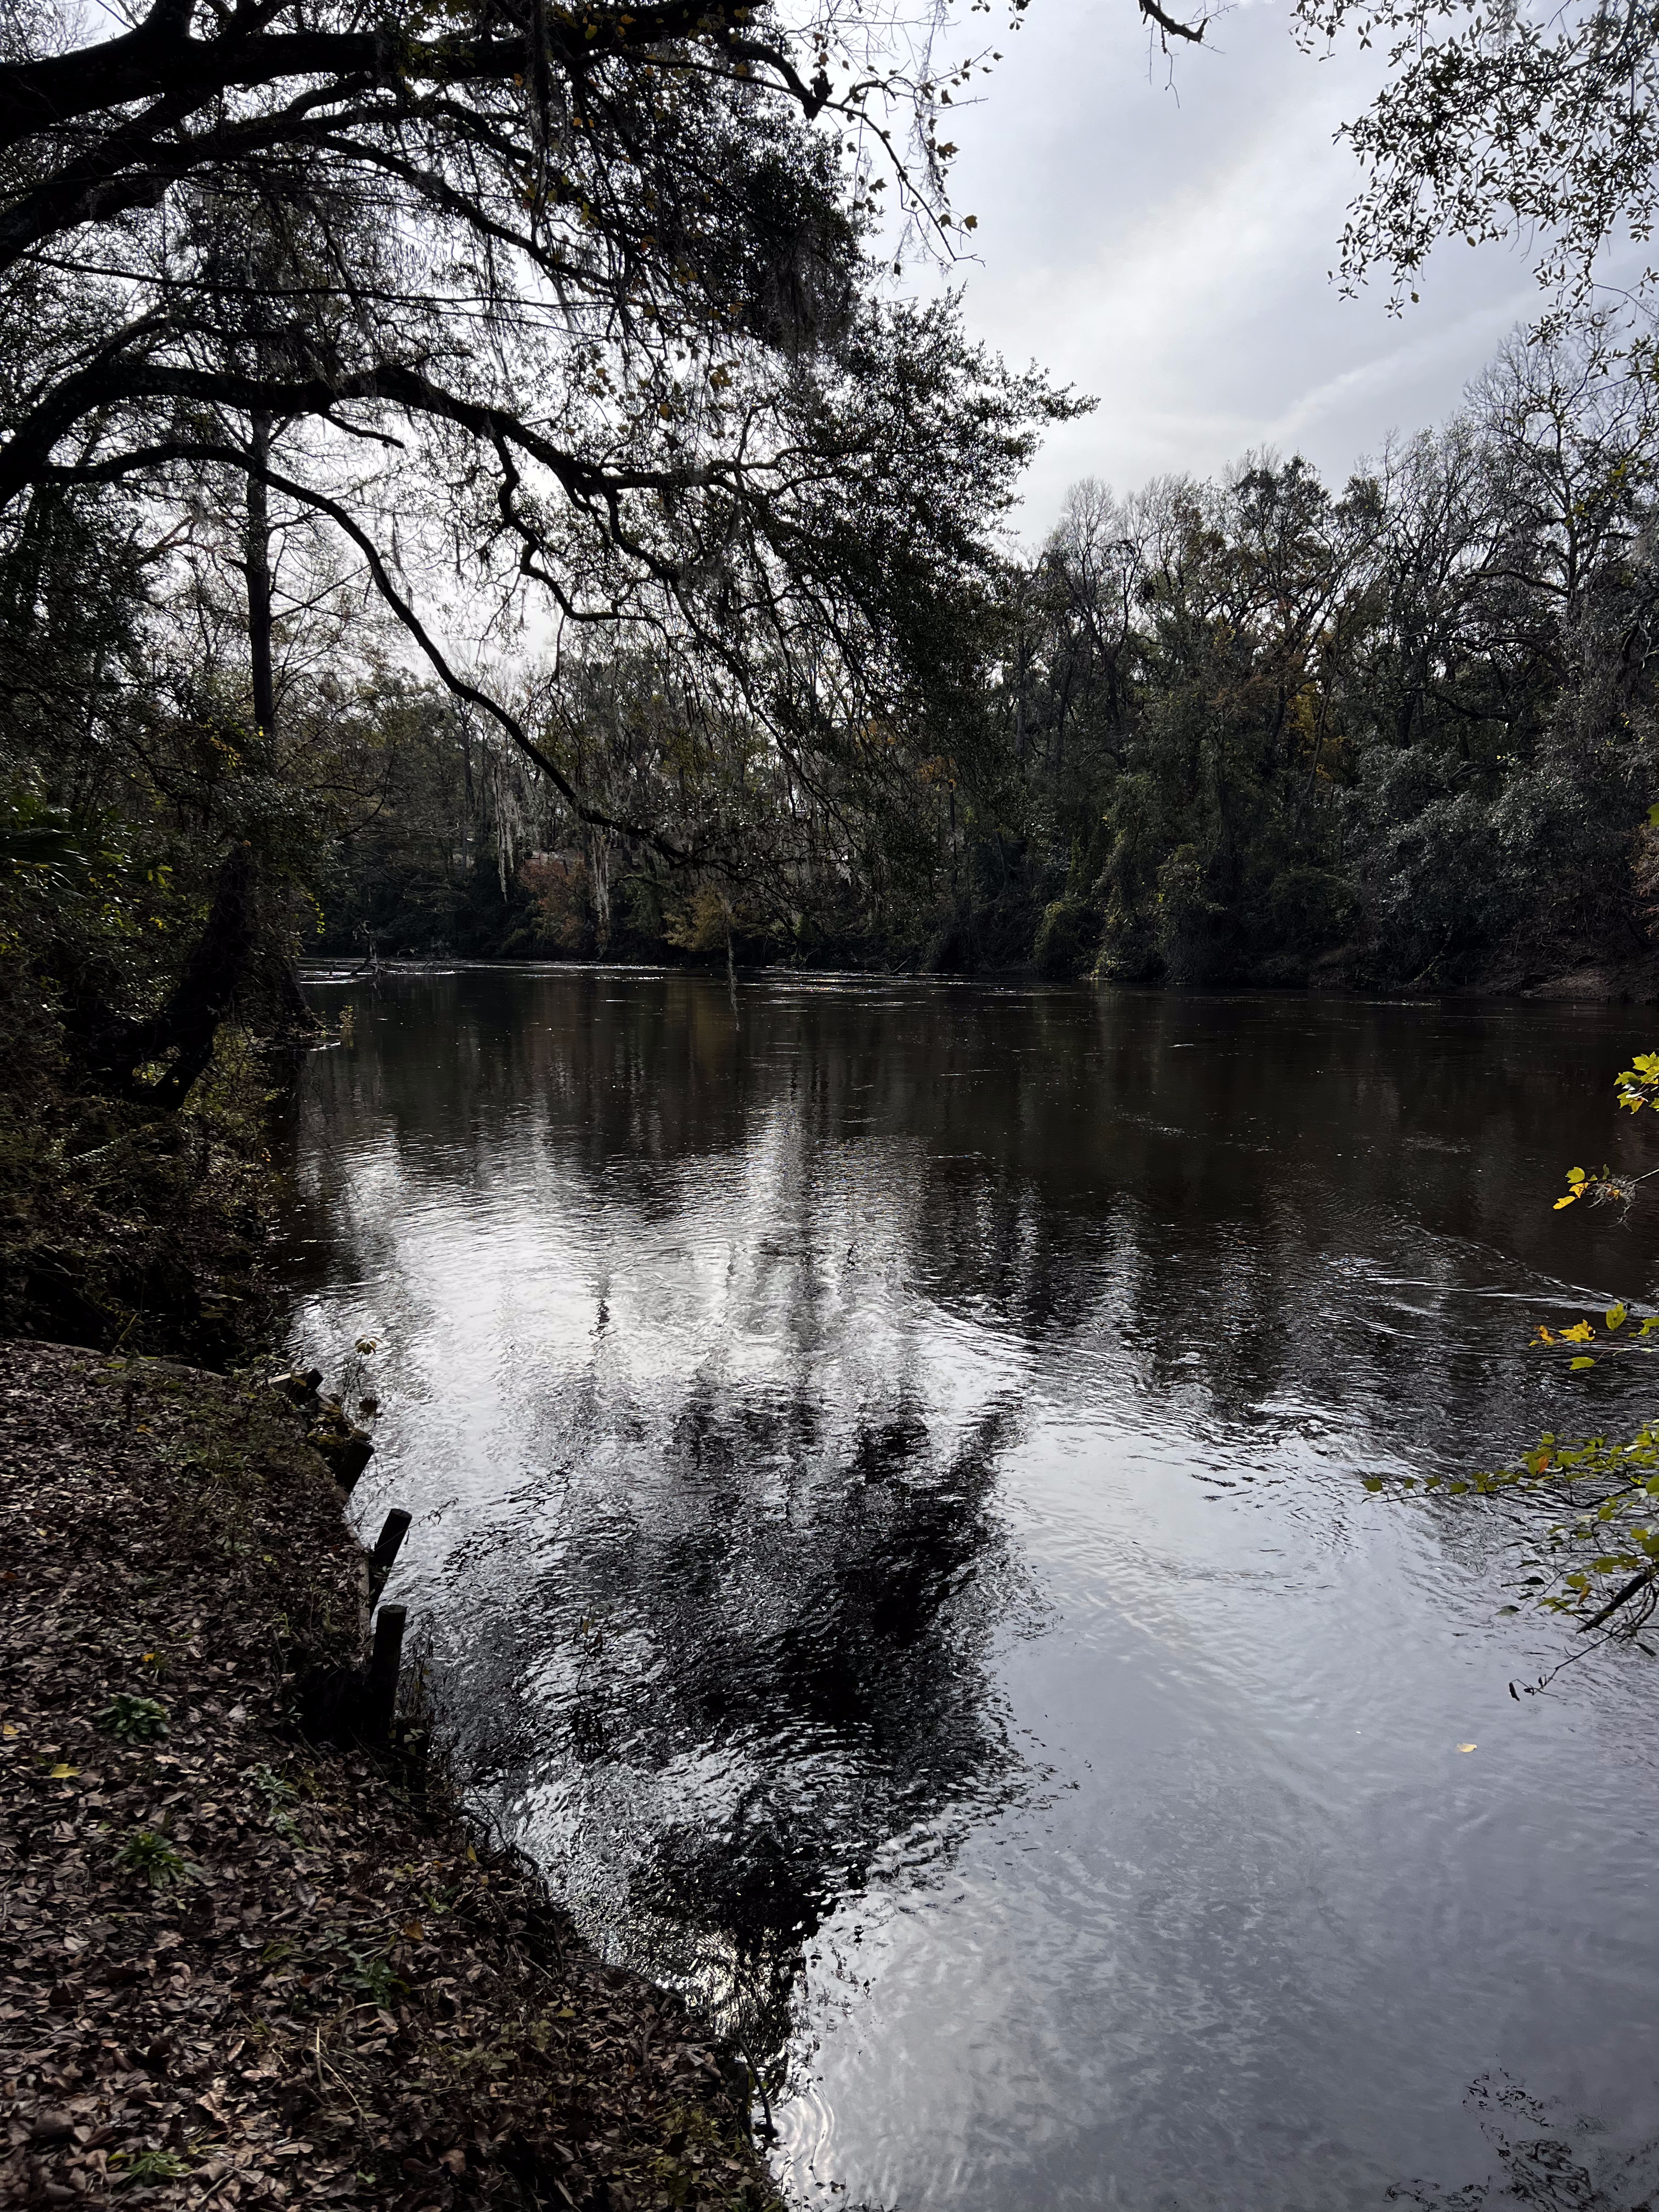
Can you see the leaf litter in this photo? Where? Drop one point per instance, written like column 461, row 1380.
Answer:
column 239, row 1966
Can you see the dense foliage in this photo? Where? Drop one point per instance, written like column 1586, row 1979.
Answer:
column 1398, row 733
column 538, row 356
column 1255, row 730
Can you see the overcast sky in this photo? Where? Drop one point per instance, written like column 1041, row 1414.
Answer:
column 1168, row 251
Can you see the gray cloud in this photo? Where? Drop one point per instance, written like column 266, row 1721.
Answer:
column 1167, row 250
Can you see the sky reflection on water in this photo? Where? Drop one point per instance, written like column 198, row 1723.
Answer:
column 887, row 1516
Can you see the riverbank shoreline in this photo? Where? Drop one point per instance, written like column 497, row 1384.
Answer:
column 1606, row 983
column 238, row 1962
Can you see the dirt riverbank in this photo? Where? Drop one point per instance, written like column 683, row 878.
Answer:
column 242, row 1966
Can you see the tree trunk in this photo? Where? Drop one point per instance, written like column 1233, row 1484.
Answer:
column 257, row 565
column 182, row 1034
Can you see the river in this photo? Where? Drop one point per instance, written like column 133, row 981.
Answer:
column 889, row 1528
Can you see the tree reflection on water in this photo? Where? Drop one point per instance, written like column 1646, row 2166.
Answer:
column 724, row 1692
column 715, row 1350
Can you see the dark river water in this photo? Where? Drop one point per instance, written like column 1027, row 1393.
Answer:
column 888, row 1522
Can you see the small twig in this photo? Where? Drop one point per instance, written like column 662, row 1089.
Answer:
column 322, row 2065
column 230, row 2173
column 755, row 2076
column 1635, row 1583
column 1532, row 1689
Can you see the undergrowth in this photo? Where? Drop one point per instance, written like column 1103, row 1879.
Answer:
column 121, row 1229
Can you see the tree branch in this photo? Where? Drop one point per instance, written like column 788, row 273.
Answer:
column 161, row 61
column 1171, row 27
column 175, row 451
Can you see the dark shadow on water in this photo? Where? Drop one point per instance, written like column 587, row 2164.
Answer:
column 1546, row 2157
column 790, row 1628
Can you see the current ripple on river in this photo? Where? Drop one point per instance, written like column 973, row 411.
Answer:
column 885, row 1468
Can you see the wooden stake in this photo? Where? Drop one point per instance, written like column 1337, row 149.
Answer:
column 386, row 1547
column 380, row 1689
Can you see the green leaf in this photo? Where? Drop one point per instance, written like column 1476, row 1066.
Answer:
column 1583, row 1362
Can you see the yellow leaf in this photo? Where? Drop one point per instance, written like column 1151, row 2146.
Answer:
column 1567, row 1201
column 1467, row 1747
column 62, row 1773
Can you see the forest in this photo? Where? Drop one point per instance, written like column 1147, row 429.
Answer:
column 1257, row 730
column 1252, row 731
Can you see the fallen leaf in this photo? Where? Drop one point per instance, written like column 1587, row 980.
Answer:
column 93, row 1942
column 1466, row 1746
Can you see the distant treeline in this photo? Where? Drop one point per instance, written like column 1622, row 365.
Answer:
column 1255, row 730
column 1247, row 731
